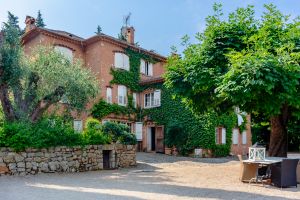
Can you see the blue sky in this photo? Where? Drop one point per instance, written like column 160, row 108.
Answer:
column 159, row 24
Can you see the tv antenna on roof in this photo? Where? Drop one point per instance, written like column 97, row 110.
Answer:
column 126, row 19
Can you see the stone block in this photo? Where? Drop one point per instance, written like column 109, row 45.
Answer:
column 21, row 164
column 4, row 170
column 19, row 158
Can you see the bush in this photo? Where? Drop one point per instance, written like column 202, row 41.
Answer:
column 93, row 133
column 128, row 139
column 92, row 123
column 175, row 135
column 119, row 132
column 48, row 132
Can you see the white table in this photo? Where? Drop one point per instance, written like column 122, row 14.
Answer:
column 266, row 162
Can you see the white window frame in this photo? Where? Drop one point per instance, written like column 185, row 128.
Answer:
column 109, row 95
column 235, row 136
column 121, row 61
column 146, row 67
column 122, row 95
column 152, row 99
column 65, row 51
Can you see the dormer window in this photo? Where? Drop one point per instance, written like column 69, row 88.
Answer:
column 121, row 61
column 68, row 53
column 146, row 68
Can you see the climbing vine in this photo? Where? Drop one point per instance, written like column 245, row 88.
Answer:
column 199, row 130
column 130, row 78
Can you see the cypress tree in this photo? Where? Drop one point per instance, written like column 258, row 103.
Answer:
column 99, row 30
column 39, row 22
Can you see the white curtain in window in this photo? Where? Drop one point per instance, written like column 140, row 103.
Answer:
column 78, row 125
column 244, row 137
column 122, row 95
column 235, row 136
column 126, row 62
column 139, row 131
column 150, row 69
column 142, row 66
column 119, row 60
column 134, row 100
column 223, row 136
column 157, row 95
column 108, row 95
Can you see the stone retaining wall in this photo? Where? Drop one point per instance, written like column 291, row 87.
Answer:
column 65, row 159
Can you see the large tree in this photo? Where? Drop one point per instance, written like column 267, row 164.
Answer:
column 253, row 64
column 29, row 85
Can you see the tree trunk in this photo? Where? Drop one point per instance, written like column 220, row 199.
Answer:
column 45, row 103
column 278, row 137
column 6, row 104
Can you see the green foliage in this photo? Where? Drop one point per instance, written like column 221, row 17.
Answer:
column 102, row 109
column 253, row 64
column 92, row 123
column 130, row 78
column 31, row 84
column 128, row 139
column 119, row 132
column 39, row 22
column 93, row 133
column 187, row 130
column 48, row 132
column 55, row 71
column 195, row 75
column 175, row 135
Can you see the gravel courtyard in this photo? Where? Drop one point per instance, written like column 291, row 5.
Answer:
column 156, row 177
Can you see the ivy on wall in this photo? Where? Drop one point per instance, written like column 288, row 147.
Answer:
column 199, row 129
column 130, row 78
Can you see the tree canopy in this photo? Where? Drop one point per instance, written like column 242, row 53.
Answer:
column 241, row 61
column 39, row 80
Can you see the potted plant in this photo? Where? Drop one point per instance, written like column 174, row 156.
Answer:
column 174, row 138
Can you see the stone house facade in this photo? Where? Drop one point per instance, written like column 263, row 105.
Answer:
column 100, row 53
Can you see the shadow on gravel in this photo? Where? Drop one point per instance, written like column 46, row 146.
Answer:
column 162, row 158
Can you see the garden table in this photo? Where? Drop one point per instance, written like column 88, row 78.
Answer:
column 259, row 163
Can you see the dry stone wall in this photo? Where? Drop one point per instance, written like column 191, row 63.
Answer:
column 66, row 159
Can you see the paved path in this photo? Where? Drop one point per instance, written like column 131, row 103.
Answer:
column 156, row 177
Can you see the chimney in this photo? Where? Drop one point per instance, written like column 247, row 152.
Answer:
column 30, row 23
column 128, row 34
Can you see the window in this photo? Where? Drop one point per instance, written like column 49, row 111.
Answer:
column 139, row 131
column 235, row 136
column 77, row 125
column 122, row 95
column 152, row 99
column 121, row 61
column 244, row 137
column 146, row 68
column 68, row 53
column 220, row 135
column 108, row 95
column 134, row 100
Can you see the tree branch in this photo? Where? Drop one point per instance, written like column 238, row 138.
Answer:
column 46, row 102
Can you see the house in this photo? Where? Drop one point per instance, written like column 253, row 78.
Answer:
column 108, row 57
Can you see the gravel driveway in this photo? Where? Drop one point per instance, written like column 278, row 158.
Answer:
column 156, row 177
